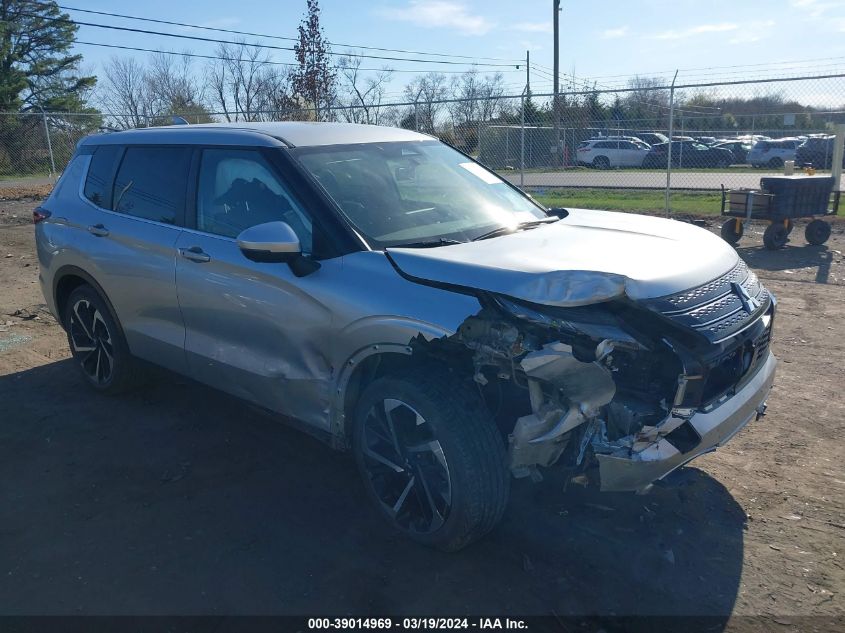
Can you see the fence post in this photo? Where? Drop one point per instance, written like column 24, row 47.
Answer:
column 522, row 141
column 838, row 149
column 671, row 132
column 49, row 142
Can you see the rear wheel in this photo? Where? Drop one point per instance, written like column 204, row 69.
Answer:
column 601, row 162
column 432, row 460
column 775, row 163
column 817, row 232
column 776, row 236
column 732, row 231
column 97, row 343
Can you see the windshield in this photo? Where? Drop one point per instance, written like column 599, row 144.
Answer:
column 418, row 191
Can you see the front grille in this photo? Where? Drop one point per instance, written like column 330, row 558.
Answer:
column 720, row 308
column 735, row 367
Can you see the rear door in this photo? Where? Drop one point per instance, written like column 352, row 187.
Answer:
column 131, row 244
column 253, row 329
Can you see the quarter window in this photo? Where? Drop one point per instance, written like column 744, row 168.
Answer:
column 99, row 180
column 238, row 189
column 151, row 183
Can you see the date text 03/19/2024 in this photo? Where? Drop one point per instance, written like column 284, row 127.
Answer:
column 417, row 624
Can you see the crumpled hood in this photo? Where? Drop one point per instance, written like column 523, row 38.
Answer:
column 587, row 257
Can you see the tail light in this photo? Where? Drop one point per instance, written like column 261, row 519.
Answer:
column 40, row 214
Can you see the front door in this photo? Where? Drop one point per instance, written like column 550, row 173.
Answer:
column 253, row 329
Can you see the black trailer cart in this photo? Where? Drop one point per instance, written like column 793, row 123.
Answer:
column 779, row 201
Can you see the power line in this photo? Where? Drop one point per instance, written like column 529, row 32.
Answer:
column 282, row 37
column 687, row 70
column 265, row 46
column 238, row 59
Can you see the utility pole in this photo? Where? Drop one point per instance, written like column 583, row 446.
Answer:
column 555, row 105
column 528, row 70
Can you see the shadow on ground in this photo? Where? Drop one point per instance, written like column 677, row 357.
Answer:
column 179, row 500
column 793, row 255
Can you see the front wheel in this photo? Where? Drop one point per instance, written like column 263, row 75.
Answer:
column 431, row 458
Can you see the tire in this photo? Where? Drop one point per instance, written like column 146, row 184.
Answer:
column 776, row 236
column 97, row 344
column 724, row 163
column 601, row 162
column 817, row 232
column 775, row 163
column 453, row 489
column 730, row 233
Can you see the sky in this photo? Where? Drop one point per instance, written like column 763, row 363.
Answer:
column 601, row 44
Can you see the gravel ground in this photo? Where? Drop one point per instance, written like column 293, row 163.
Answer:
column 177, row 499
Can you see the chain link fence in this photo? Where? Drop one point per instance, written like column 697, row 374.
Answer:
column 594, row 143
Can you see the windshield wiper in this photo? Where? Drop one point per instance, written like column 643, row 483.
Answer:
column 442, row 241
column 504, row 230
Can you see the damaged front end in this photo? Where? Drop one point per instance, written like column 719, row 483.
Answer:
column 621, row 391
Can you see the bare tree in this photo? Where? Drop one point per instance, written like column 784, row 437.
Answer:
column 237, row 80
column 275, row 96
column 175, row 86
column 125, row 93
column 362, row 94
column 427, row 91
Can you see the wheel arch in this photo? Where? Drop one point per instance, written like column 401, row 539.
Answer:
column 67, row 279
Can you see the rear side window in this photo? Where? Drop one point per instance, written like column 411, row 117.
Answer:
column 98, row 183
column 151, row 183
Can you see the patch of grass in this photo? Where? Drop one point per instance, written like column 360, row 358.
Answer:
column 23, row 177
column 636, row 201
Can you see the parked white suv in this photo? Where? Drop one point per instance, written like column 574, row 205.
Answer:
column 607, row 153
column 773, row 153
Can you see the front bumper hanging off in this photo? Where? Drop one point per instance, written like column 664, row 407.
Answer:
column 637, row 468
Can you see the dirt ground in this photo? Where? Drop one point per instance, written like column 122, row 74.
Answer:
column 180, row 500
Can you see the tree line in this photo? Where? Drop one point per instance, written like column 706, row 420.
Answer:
column 241, row 82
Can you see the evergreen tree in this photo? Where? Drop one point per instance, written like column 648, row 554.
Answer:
column 36, row 68
column 313, row 80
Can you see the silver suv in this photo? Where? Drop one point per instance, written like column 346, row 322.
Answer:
column 398, row 299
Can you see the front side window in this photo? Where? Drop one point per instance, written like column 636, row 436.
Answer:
column 407, row 192
column 98, row 181
column 151, row 183
column 239, row 189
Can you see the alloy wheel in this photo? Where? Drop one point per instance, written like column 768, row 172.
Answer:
column 406, row 466
column 91, row 342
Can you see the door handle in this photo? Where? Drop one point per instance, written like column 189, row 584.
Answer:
column 195, row 254
column 99, row 230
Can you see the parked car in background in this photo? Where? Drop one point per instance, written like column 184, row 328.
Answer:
column 816, row 151
column 504, row 338
column 652, row 138
column 739, row 149
column 688, row 154
column 773, row 153
column 706, row 140
column 682, row 138
column 604, row 154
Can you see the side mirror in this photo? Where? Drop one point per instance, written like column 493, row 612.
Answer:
column 271, row 242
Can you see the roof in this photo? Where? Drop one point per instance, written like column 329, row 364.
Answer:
column 276, row 134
